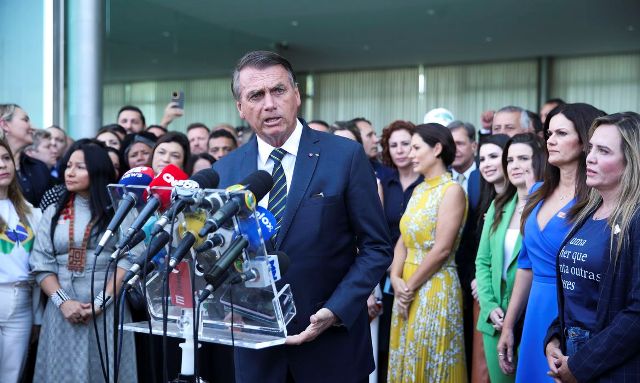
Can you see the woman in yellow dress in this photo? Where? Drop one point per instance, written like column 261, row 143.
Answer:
column 427, row 343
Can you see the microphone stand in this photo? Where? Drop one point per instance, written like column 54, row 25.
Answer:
column 187, row 367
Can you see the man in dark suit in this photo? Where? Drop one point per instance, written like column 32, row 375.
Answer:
column 331, row 226
column 465, row 172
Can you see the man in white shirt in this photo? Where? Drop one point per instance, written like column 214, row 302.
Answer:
column 464, row 172
column 331, row 225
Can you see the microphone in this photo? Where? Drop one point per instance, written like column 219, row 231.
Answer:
column 186, row 194
column 187, row 230
column 134, row 177
column 181, row 250
column 135, row 240
column 156, row 245
column 258, row 184
column 261, row 273
column 265, row 221
column 211, row 242
column 190, row 192
column 248, row 227
column 169, row 176
column 215, row 276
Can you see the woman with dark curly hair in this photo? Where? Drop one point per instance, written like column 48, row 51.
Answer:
column 396, row 191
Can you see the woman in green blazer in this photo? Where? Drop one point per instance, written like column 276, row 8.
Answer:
column 523, row 161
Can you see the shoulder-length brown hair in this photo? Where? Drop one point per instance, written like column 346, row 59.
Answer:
column 582, row 116
column 14, row 194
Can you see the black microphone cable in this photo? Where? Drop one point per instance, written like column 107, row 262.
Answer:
column 165, row 306
column 143, row 281
column 196, row 322
column 105, row 373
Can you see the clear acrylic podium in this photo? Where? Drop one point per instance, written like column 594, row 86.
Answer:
column 251, row 314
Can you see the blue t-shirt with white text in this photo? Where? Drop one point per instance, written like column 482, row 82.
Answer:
column 583, row 261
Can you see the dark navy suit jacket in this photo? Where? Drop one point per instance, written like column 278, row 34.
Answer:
column 612, row 353
column 466, row 253
column 336, row 237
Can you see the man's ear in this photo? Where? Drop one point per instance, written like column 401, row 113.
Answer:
column 239, row 107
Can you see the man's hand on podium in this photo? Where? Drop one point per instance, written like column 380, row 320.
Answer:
column 320, row 321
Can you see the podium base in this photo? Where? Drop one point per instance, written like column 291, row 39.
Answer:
column 218, row 335
column 188, row 379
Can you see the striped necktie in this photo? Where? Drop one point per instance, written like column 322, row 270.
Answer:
column 278, row 194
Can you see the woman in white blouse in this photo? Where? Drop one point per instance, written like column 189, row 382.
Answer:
column 17, row 227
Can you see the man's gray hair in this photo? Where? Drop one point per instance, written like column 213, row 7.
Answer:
column 38, row 136
column 467, row 126
column 525, row 121
column 259, row 60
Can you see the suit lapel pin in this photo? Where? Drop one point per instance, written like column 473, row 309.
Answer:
column 314, row 154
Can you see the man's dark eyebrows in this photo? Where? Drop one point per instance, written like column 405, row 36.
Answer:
column 256, row 92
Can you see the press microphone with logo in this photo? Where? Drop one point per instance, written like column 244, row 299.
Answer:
column 261, row 271
column 187, row 236
column 158, row 200
column 191, row 191
column 139, row 176
column 187, row 193
column 247, row 225
column 216, row 275
column 156, row 245
column 258, row 184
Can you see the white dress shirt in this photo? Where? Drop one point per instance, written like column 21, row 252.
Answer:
column 288, row 161
column 466, row 174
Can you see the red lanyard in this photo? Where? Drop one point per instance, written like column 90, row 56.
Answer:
column 77, row 255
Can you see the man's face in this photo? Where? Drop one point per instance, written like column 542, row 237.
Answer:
column 369, row 138
column 268, row 102
column 544, row 111
column 43, row 153
column 507, row 123
column 58, row 142
column 220, row 147
column 465, row 150
column 131, row 121
column 198, row 140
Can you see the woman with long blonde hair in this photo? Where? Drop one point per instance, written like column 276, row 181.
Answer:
column 596, row 336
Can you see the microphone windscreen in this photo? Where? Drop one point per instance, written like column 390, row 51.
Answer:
column 138, row 176
column 267, row 222
column 206, row 179
column 167, row 177
column 193, row 222
column 259, row 183
column 248, row 227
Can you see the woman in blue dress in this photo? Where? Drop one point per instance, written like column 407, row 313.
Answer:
column 596, row 337
column 547, row 218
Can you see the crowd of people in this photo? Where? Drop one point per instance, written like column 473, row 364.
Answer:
column 514, row 245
